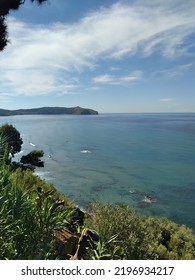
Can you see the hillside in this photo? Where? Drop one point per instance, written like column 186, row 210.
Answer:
column 49, row 111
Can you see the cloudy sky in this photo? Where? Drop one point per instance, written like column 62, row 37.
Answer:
column 112, row 56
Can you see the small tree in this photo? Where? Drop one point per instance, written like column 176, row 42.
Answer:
column 13, row 140
column 5, row 7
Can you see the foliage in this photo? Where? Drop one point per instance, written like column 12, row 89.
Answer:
column 5, row 7
column 4, row 153
column 33, row 159
column 3, row 34
column 30, row 211
column 101, row 249
column 118, row 220
column 164, row 239
column 28, row 220
column 17, row 228
column 28, row 181
column 13, row 139
column 140, row 237
column 11, row 143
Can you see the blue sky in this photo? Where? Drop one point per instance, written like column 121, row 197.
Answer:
column 112, row 56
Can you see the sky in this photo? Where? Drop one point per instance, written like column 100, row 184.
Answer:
column 111, row 56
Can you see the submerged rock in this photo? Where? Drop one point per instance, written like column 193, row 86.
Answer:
column 148, row 199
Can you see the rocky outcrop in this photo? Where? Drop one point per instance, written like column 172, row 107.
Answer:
column 73, row 246
column 83, row 243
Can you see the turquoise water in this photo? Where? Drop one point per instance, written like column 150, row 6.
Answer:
column 118, row 158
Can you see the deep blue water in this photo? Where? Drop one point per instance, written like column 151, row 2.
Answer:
column 118, row 158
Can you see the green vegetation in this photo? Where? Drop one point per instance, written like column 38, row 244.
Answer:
column 31, row 212
column 49, row 111
column 37, row 222
column 28, row 219
column 11, row 143
column 33, row 159
column 144, row 238
column 5, row 7
column 13, row 139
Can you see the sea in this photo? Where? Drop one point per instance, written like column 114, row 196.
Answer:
column 146, row 161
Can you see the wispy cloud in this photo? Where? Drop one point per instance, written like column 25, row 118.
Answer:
column 114, row 80
column 135, row 76
column 104, row 79
column 166, row 99
column 31, row 65
column 173, row 72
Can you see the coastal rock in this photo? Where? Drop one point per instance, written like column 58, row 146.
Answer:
column 83, row 244
column 65, row 243
column 71, row 245
column 148, row 199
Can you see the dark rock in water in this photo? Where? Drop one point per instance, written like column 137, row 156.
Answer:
column 148, row 199
column 144, row 199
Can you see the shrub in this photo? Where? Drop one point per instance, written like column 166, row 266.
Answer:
column 140, row 237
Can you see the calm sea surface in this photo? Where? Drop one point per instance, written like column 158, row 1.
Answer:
column 143, row 160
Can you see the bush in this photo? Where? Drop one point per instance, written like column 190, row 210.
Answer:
column 140, row 237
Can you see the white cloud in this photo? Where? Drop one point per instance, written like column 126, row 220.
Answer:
column 33, row 62
column 114, row 80
column 166, row 99
column 104, row 79
column 134, row 76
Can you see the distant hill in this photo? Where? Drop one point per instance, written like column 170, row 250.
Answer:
column 49, row 111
